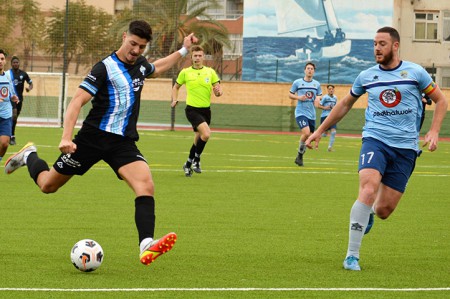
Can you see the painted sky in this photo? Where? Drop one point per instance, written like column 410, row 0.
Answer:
column 359, row 19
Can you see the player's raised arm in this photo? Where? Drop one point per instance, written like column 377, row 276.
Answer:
column 164, row 64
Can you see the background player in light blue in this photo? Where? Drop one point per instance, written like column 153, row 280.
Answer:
column 327, row 102
column 390, row 135
column 305, row 91
column 7, row 94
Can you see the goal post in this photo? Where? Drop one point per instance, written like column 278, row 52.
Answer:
column 42, row 106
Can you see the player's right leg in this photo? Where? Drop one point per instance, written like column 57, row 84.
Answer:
column 18, row 159
column 48, row 180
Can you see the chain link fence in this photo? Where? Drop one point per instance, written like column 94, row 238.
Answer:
column 58, row 46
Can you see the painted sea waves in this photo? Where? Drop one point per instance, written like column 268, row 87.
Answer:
column 273, row 59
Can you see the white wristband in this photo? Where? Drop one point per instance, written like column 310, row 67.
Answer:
column 183, row 51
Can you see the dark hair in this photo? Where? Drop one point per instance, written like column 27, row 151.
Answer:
column 392, row 32
column 197, row 48
column 15, row 58
column 141, row 28
column 3, row 52
column 310, row 63
column 330, row 85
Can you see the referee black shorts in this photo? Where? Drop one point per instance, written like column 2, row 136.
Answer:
column 196, row 116
column 94, row 145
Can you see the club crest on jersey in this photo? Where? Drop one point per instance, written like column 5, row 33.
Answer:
column 390, row 97
column 4, row 91
column 404, row 74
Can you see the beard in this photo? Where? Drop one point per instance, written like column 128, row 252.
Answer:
column 385, row 59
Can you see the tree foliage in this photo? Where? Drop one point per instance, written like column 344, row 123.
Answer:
column 32, row 24
column 22, row 26
column 88, row 36
column 7, row 20
column 171, row 22
column 92, row 33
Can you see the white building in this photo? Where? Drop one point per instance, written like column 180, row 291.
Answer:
column 424, row 27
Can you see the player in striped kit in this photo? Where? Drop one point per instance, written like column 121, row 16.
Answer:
column 109, row 132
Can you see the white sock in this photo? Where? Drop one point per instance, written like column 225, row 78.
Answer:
column 25, row 156
column 359, row 217
column 144, row 243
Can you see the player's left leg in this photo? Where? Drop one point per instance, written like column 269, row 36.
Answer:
column 204, row 133
column 306, row 131
column 386, row 202
column 332, row 138
column 138, row 176
column 15, row 115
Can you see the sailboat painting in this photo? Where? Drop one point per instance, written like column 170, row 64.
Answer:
column 281, row 36
column 316, row 21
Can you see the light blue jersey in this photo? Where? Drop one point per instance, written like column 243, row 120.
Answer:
column 311, row 89
column 394, row 102
column 6, row 92
column 327, row 100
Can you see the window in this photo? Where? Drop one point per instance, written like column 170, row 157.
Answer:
column 120, row 5
column 236, row 47
column 446, row 23
column 226, row 9
column 446, row 82
column 445, row 77
column 426, row 26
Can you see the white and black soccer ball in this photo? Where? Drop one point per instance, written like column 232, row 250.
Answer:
column 86, row 255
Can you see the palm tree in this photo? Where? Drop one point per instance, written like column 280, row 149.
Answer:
column 171, row 23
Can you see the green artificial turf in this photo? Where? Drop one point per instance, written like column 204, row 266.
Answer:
column 252, row 225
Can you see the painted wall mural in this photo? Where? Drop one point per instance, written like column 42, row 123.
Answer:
column 337, row 35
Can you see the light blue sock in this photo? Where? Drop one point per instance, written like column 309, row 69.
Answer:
column 333, row 135
column 359, row 217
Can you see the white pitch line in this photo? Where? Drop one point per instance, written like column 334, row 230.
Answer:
column 230, row 289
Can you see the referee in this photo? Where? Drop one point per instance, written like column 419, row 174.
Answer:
column 200, row 81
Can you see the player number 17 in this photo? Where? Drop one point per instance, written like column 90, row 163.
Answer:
column 369, row 157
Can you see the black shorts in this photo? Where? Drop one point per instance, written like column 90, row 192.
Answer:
column 196, row 116
column 17, row 106
column 94, row 145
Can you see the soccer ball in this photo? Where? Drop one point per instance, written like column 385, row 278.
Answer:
column 86, row 255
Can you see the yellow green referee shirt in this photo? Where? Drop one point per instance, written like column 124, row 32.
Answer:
column 199, row 84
